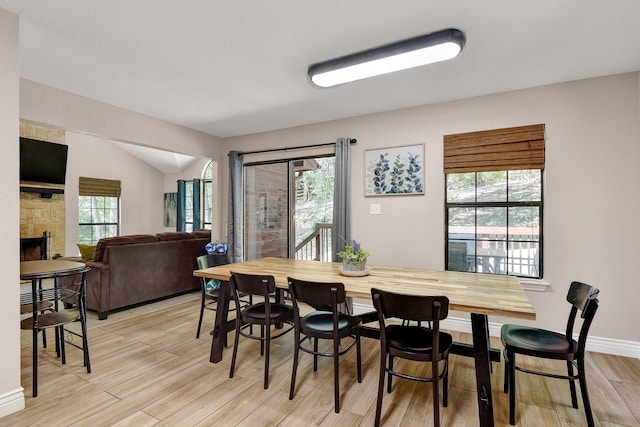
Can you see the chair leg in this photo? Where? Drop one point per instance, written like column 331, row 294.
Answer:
column 235, row 348
column 202, row 303
column 359, row 356
column 85, row 339
column 336, row 374
column 512, row 387
column 389, row 375
column 267, row 344
column 296, row 350
column 261, row 340
column 34, row 390
column 582, row 376
column 60, row 343
column 445, row 384
column 436, row 393
column 315, row 356
column 572, row 385
column 383, row 373
column 506, row 373
column 44, row 338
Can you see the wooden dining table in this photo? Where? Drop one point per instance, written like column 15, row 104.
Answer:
column 479, row 294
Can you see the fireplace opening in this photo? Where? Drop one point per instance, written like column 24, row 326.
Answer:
column 34, row 248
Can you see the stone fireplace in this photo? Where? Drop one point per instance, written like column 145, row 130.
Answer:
column 42, row 217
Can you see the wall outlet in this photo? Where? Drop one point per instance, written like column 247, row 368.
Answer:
column 374, row 209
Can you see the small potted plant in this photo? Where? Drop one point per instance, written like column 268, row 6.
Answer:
column 354, row 257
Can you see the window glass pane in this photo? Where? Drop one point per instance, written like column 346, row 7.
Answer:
column 111, row 215
column 525, row 185
column 208, row 172
column 462, row 223
column 492, row 224
column 492, row 186
column 524, row 223
column 461, row 187
column 459, row 256
column 523, row 259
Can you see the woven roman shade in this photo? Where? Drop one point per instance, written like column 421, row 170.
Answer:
column 519, row 147
column 99, row 187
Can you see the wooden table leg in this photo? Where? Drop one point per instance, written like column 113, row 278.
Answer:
column 220, row 328
column 480, row 332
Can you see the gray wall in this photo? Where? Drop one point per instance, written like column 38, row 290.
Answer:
column 591, row 199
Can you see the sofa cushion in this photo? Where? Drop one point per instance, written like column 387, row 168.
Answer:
column 120, row 240
column 173, row 235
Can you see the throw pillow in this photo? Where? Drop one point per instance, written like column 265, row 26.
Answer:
column 212, row 284
column 86, row 251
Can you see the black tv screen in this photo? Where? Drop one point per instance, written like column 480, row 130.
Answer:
column 42, row 161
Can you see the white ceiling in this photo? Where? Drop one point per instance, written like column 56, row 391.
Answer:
column 238, row 67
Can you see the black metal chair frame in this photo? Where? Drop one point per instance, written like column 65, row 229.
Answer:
column 326, row 299
column 545, row 344
column 54, row 317
column 209, row 298
column 412, row 342
column 265, row 314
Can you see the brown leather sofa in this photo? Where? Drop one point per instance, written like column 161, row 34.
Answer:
column 136, row 269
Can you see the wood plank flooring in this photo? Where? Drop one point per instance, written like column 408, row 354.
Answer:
column 148, row 369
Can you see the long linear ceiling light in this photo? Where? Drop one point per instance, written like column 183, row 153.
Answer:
column 414, row 52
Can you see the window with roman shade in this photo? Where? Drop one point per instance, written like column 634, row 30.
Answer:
column 494, row 202
column 98, row 209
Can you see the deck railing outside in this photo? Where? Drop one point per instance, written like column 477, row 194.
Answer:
column 317, row 246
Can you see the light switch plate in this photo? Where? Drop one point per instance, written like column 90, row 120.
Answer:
column 374, row 209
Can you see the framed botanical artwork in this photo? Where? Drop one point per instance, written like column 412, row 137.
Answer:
column 394, row 171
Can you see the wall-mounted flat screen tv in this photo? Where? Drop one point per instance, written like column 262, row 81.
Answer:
column 41, row 161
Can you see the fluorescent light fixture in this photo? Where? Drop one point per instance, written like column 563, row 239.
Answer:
column 414, row 52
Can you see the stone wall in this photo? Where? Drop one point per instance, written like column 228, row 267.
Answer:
column 39, row 214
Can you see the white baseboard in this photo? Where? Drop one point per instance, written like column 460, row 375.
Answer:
column 11, row 402
column 596, row 344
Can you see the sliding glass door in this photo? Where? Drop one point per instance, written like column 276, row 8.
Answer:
column 288, row 209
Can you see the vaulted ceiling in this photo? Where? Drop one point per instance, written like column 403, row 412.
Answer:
column 238, row 67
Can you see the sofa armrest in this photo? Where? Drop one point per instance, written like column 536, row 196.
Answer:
column 97, row 288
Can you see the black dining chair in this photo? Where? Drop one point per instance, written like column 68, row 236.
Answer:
column 326, row 323
column 69, row 306
column 545, row 344
column 418, row 343
column 265, row 313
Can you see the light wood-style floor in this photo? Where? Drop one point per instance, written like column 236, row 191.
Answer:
column 148, row 369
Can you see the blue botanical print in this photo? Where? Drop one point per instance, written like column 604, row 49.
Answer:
column 380, row 175
column 402, row 174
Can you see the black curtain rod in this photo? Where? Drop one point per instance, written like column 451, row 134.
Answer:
column 271, row 150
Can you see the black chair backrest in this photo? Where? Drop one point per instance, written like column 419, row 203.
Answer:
column 72, row 285
column 319, row 295
column 410, row 307
column 580, row 294
column 206, row 261
column 254, row 284
column 582, row 297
